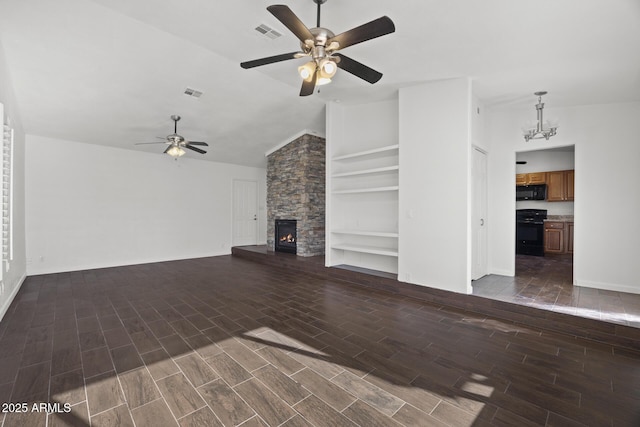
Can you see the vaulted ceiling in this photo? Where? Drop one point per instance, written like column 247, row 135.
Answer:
column 111, row 72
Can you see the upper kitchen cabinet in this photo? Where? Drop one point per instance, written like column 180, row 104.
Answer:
column 530, row 178
column 570, row 184
column 560, row 186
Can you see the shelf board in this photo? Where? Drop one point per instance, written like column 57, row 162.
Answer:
column 377, row 273
column 367, row 249
column 366, row 233
column 367, row 171
column 367, row 190
column 368, row 152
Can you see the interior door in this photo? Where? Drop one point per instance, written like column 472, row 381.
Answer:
column 245, row 213
column 479, row 214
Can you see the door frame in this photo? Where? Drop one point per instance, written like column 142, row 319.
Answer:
column 575, row 166
column 483, row 269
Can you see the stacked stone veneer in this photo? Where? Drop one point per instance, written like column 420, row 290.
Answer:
column 296, row 190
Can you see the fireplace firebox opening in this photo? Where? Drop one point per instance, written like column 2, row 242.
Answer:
column 285, row 237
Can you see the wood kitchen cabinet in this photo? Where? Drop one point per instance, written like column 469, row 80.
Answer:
column 570, row 184
column 530, row 178
column 554, row 237
column 560, row 186
column 569, row 237
column 558, row 237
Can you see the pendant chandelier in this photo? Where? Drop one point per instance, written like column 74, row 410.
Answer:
column 541, row 129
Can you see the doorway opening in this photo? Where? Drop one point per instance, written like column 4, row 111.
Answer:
column 554, row 170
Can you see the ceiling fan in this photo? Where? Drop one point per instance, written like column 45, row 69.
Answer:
column 321, row 45
column 176, row 143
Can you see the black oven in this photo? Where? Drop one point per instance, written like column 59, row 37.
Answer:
column 530, row 231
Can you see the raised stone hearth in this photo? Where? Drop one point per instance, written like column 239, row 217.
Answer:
column 296, row 191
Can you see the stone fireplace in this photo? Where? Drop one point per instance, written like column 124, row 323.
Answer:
column 296, row 192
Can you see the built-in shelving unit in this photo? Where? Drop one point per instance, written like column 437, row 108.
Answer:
column 364, row 208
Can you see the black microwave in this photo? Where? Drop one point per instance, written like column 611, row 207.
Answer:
column 531, row 192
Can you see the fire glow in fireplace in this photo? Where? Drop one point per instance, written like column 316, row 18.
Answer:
column 285, row 238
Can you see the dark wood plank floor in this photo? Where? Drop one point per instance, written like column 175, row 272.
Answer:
column 547, row 283
column 226, row 341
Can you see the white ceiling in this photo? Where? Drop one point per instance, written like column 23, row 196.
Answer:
column 111, row 72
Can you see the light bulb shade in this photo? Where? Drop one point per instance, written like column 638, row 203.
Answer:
column 550, row 124
column 175, row 151
column 328, row 68
column 529, row 126
column 306, row 71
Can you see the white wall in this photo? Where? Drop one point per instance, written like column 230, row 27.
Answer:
column 606, row 195
column 13, row 278
column 90, row 206
column 546, row 160
column 478, row 124
column 366, row 126
column 435, row 208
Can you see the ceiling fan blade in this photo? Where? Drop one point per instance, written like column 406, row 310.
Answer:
column 197, row 143
column 309, row 86
column 168, row 148
column 370, row 30
column 291, row 21
column 197, row 150
column 357, row 69
column 145, row 143
column 268, row 60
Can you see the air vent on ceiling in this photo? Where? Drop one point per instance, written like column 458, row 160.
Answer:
column 192, row 92
column 268, row 31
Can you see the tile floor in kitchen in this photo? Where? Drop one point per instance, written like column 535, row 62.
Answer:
column 547, row 283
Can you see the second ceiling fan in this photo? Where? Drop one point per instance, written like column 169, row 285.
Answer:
column 321, row 45
column 176, row 143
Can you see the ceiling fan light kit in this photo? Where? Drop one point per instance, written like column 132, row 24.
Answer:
column 175, row 151
column 321, row 45
column 177, row 143
column 541, row 129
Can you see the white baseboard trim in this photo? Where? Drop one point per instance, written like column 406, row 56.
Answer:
column 92, row 266
column 607, row 286
column 12, row 296
column 499, row 272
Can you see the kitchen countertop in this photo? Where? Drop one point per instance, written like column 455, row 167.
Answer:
column 564, row 218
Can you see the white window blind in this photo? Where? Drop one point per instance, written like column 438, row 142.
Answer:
column 7, row 195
